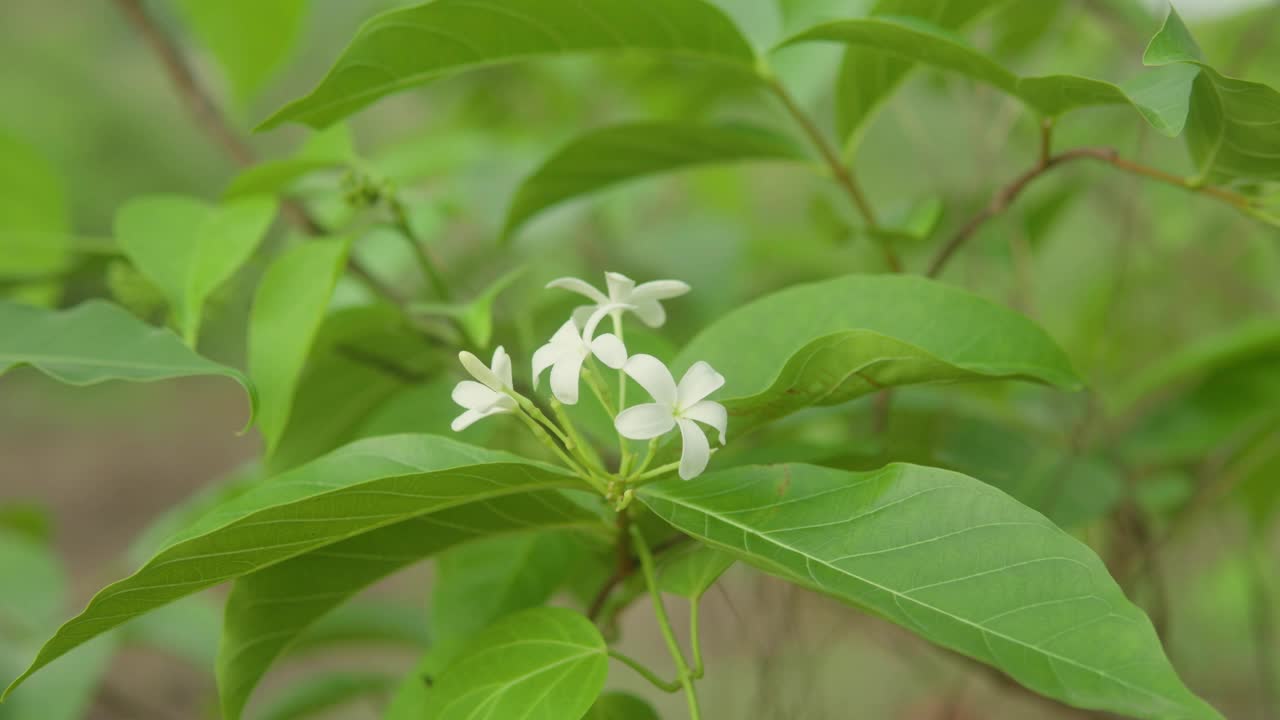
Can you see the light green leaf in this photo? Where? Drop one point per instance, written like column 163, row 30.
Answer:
column 270, row 610
column 611, row 155
column 405, row 48
column 951, row 559
column 541, row 664
column 189, row 248
column 359, row 489
column 35, row 222
column 96, row 342
column 474, row 317
column 368, row 621
column 621, row 706
column 1161, row 96
column 829, row 342
column 287, row 311
column 691, row 570
column 1233, row 132
column 187, row 629
column 328, row 149
column 251, row 39
column 325, row 691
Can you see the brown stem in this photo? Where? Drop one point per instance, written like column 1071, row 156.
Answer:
column 1006, row 195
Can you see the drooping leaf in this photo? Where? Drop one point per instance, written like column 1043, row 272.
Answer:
column 611, row 155
column 691, row 570
column 251, row 39
column 271, row 609
column 829, row 342
column 1160, row 95
column 621, row 706
column 475, row 317
column 1232, row 131
column 951, row 559
column 359, row 489
column 189, row 248
column 405, row 48
column 541, row 664
column 328, row 149
column 287, row 311
column 325, row 691
column 34, row 219
column 96, row 342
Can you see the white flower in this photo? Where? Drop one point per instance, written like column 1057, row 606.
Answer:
column 675, row 405
column 623, row 291
column 569, row 348
column 487, row 397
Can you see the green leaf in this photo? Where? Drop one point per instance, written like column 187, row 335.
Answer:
column 325, row 691
column 359, row 489
column 541, row 664
column 35, row 221
column 868, row 76
column 368, row 621
column 621, row 706
column 1232, row 131
column 474, row 317
column 189, row 248
column 328, row 149
column 287, row 311
column 829, row 342
column 612, row 155
column 1161, row 96
column 251, row 39
column 187, row 629
column 270, row 610
column 691, row 570
column 405, row 48
column 951, row 559
column 96, row 342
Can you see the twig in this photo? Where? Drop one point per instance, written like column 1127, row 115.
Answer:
column 627, row 569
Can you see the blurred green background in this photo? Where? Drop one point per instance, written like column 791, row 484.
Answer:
column 1118, row 270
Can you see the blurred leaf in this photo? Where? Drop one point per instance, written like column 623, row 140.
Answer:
column 951, row 559
column 96, row 342
column 1232, row 131
column 65, row 692
column 304, row 510
column 366, row 621
column 611, row 155
column 830, row 342
column 691, row 570
column 1019, row 26
column 187, row 629
column 475, row 317
column 540, row 663
column 28, row 520
column 328, row 149
column 1259, row 482
column 35, row 222
column 287, row 311
column 1160, row 95
column 29, row 606
column 251, row 39
column 325, row 691
column 621, row 706
column 189, row 248
column 388, row 56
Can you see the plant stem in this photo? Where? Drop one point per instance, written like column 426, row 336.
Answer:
column 648, row 458
column 694, row 641
column 624, row 465
column 534, row 412
column 657, row 471
column 597, row 389
column 580, row 449
column 541, row 434
column 425, row 264
column 664, row 624
column 646, row 673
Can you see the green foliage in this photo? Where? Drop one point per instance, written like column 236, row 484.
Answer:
column 620, row 706
column 249, row 51
column 34, row 218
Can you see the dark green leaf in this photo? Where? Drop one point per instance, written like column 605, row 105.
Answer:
column 406, row 48
column 951, row 559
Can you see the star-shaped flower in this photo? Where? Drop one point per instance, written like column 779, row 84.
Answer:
column 487, row 397
column 643, row 300
column 675, row 405
column 570, row 347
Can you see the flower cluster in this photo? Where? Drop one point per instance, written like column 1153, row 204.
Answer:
column 569, row 355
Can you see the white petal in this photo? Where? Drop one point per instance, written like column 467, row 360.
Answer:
column 567, row 334
column 698, row 382
column 582, row 314
column 564, row 378
column 502, row 367
column 543, row 358
column 650, row 313
column 468, row 418
column 474, row 396
column 696, row 452
column 643, row 422
column 593, row 322
column 610, row 350
column 582, row 287
column 659, row 290
column 652, row 376
column 480, row 371
column 710, row 412
column 620, row 286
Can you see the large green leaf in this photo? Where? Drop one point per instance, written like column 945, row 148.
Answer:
column 951, row 559
column 406, row 48
column 34, row 219
column 287, row 311
column 188, row 248
column 829, row 342
column 611, row 155
column 361, row 488
column 96, row 342
column 270, row 610
column 1233, row 131
column 1161, row 96
column 541, row 664
column 868, row 76
column 251, row 39
column 689, row 571
column 621, row 706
